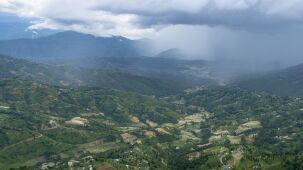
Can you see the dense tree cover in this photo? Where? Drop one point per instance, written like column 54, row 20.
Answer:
column 277, row 145
column 31, row 107
column 48, row 126
column 64, row 75
column 279, row 116
column 286, row 82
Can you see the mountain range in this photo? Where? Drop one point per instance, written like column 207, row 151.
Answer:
column 15, row 30
column 68, row 44
column 112, row 53
column 82, row 54
column 76, row 101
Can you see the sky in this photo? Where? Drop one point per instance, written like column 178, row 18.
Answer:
column 252, row 31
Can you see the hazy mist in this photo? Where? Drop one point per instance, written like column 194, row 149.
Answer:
column 239, row 35
column 241, row 50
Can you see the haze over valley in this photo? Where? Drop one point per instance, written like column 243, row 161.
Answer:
column 151, row 85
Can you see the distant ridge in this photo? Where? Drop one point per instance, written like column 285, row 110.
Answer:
column 286, row 82
column 68, row 44
column 174, row 53
column 70, row 76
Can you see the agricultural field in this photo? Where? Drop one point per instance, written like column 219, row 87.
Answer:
column 82, row 128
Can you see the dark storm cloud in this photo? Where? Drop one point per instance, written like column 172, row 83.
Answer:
column 251, row 15
column 137, row 18
column 254, row 33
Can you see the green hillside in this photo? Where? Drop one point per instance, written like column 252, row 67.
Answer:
column 56, row 121
column 287, row 82
column 63, row 75
column 45, row 126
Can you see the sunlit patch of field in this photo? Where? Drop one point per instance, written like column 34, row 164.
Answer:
column 129, row 129
column 234, row 139
column 250, row 138
column 4, row 107
column 236, row 158
column 287, row 137
column 194, row 155
column 221, row 132
column 92, row 114
column 109, row 123
column 168, row 125
column 247, row 126
column 190, row 120
column 134, row 119
column 161, row 130
column 216, row 150
column 77, row 121
column 98, row 146
column 151, row 123
column 131, row 139
column 188, row 136
column 213, row 139
column 150, row 134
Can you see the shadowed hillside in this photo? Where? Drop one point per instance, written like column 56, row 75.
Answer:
column 287, row 82
column 72, row 76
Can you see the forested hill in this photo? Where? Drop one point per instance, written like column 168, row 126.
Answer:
column 56, row 121
column 204, row 129
column 72, row 76
column 287, row 82
column 68, row 44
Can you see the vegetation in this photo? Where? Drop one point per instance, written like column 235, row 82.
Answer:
column 46, row 126
column 63, row 75
column 287, row 82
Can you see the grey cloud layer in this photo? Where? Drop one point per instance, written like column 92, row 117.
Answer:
column 137, row 18
column 252, row 32
column 248, row 14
